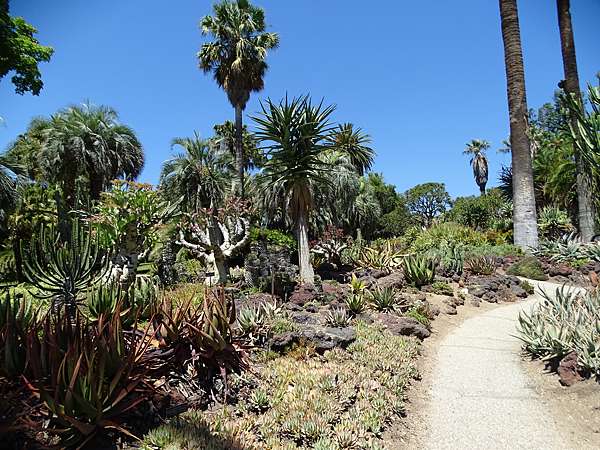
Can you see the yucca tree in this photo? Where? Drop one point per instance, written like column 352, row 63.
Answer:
column 237, row 58
column 87, row 140
column 476, row 150
column 354, row 143
column 200, row 173
column 296, row 136
column 524, row 211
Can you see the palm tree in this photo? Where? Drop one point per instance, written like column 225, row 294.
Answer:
column 89, row 141
column 10, row 169
column 199, row 173
column 524, row 213
column 236, row 58
column 296, row 134
column 571, row 86
column 355, row 143
column 225, row 139
column 476, row 149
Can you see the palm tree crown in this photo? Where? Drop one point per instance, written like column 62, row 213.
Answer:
column 89, row 141
column 355, row 143
column 476, row 149
column 237, row 55
column 199, row 173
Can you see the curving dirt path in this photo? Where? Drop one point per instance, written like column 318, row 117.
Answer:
column 480, row 397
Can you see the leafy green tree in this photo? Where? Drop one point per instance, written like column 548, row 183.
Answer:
column 27, row 148
column 237, row 58
column 9, row 170
column 479, row 212
column 200, row 173
column 524, row 222
column 427, row 201
column 21, row 52
column 296, row 136
column 476, row 150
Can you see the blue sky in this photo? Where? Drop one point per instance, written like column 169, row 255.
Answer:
column 422, row 78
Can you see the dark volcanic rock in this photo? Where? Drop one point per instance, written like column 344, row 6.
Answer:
column 568, row 370
column 327, row 338
column 280, row 342
column 403, row 326
column 448, row 309
column 305, row 293
column 518, row 291
column 393, row 280
column 562, row 270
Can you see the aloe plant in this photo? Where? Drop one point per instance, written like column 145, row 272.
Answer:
column 16, row 318
column 419, row 270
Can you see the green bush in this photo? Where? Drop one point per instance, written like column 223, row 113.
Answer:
column 478, row 212
column 528, row 267
column 441, row 288
column 273, row 236
column 553, row 222
column 447, row 233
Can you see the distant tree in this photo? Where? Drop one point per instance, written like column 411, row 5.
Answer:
column 295, row 133
column 524, row 212
column 237, row 58
column 476, row 149
column 27, row 148
column 427, row 201
column 21, row 52
column 9, row 170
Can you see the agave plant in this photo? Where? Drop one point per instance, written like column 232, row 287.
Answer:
column 383, row 258
column 565, row 321
column 356, row 303
column 383, row 299
column 338, row 318
column 419, row 270
column 62, row 271
column 481, row 265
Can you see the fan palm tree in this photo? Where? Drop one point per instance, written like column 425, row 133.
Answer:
column 89, row 141
column 236, row 58
column 571, row 86
column 355, row 143
column 296, row 136
column 10, row 169
column 476, row 149
column 524, row 213
column 200, row 173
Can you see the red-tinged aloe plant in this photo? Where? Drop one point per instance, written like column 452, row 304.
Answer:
column 89, row 375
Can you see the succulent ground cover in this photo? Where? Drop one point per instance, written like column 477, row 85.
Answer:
column 341, row 399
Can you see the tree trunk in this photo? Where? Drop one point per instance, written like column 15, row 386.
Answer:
column 239, row 148
column 571, row 85
column 524, row 213
column 216, row 260
column 307, row 274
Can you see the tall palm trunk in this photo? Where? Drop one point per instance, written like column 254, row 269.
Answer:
column 524, row 213
column 307, row 274
column 571, row 86
column 239, row 148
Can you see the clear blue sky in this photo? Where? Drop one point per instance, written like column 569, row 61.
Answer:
column 421, row 77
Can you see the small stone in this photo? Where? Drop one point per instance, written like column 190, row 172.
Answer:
column 448, row 309
column 518, row 291
column 393, row 280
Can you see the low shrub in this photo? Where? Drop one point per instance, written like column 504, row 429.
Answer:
column 273, row 236
column 527, row 287
column 447, row 233
column 564, row 322
column 419, row 315
column 441, row 288
column 338, row 318
column 356, row 303
column 528, row 267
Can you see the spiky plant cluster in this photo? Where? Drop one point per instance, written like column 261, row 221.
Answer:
column 441, row 288
column 566, row 321
column 338, row 318
column 481, row 265
column 568, row 248
column 256, row 323
column 343, row 400
column 383, row 299
column 419, row 270
column 383, row 257
column 450, row 258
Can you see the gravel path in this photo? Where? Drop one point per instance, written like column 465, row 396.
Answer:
column 480, row 396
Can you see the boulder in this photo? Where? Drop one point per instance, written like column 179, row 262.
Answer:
column 304, row 294
column 448, row 309
column 327, row 338
column 518, row 291
column 403, row 326
column 282, row 341
column 568, row 370
column 562, row 270
column 393, row 280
